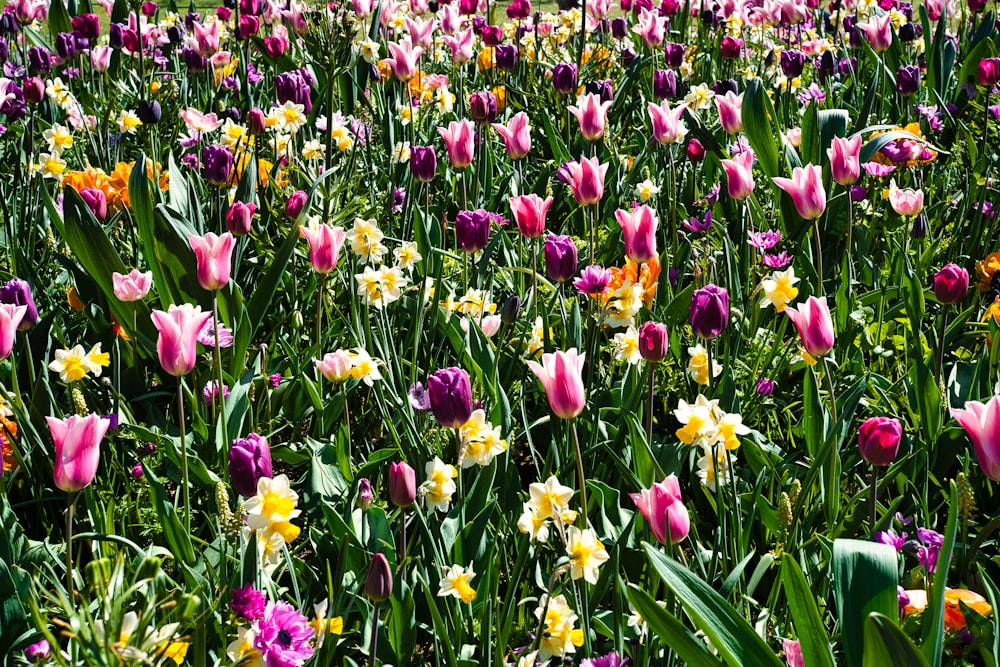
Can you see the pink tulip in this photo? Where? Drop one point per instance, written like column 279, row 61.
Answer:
column 592, row 114
column 845, row 159
column 561, row 375
column 516, row 135
column 100, row 58
column 664, row 510
column 404, row 59
column 815, row 325
column 215, row 254
column 879, row 29
column 667, row 125
column 739, row 175
column 336, row 366
column 421, row 32
column 793, row 653
column 639, row 228
column 177, row 343
column 529, row 213
column 461, row 45
column 458, row 139
column 982, row 422
column 78, row 451
column 730, row 108
column 10, row 319
column 806, row 189
column 905, row 202
column 586, row 178
column 650, row 27
column 206, row 38
column 133, row 287
column 325, row 243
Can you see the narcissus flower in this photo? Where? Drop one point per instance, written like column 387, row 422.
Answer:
column 559, row 636
column 75, row 363
column 271, row 510
column 440, row 484
column 455, row 583
column 586, row 553
column 779, row 290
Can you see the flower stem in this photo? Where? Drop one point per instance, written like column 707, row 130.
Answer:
column 70, row 509
column 374, row 638
column 581, row 480
column 649, row 410
column 829, row 386
column 219, row 386
column 184, row 456
column 347, row 418
column 940, row 359
column 874, row 490
column 819, row 257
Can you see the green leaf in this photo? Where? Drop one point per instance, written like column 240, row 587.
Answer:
column 888, row 646
column 725, row 627
column 173, row 530
column 865, row 575
column 805, row 614
column 758, row 114
column 932, row 634
column 670, row 630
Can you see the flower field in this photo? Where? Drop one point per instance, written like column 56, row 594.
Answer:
column 468, row 333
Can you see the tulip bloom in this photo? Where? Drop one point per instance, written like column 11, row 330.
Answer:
column 214, row 255
column 951, row 283
column 133, row 287
column 450, row 393
column 10, row 318
column 905, row 202
column 529, row 214
column 404, row 59
column 560, row 258
column 18, row 293
column 458, row 139
column 845, row 159
column 709, row 311
column 592, row 114
column 639, row 228
column 806, row 189
column 879, row 30
column 177, row 344
column 78, row 452
column 516, row 135
column 336, row 366
column 249, row 460
column 878, row 440
column 815, row 325
column 739, row 175
column 402, row 484
column 239, row 218
column 982, row 422
column 668, row 128
column 378, row 583
column 423, row 163
column 586, row 178
column 653, row 340
column 561, row 375
column 325, row 243
column 296, row 202
column 730, row 108
column 664, row 510
column 472, row 229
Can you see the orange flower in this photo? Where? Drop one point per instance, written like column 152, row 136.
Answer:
column 485, row 59
column 73, row 299
column 118, row 330
column 601, row 56
column 8, row 430
column 500, row 93
column 384, row 70
column 985, row 270
column 954, row 620
column 648, row 277
column 415, row 86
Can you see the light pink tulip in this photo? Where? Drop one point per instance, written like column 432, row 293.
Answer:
column 461, row 46
column 667, row 125
column 806, row 189
column 335, row 366
column 592, row 114
column 458, row 139
column 529, row 213
column 10, row 319
column 100, row 58
column 516, row 135
column 206, row 38
column 421, row 31
column 587, row 180
column 879, row 29
column 650, row 27
column 561, row 375
column 325, row 243
column 905, row 202
column 132, row 287
column 404, row 59
column 177, row 344
column 215, row 255
column 982, row 422
column 78, row 449
column 639, row 228
column 815, row 325
column 664, row 510
column 845, row 159
column 730, row 108
column 739, row 175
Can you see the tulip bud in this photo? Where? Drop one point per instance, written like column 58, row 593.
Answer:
column 96, row 202
column 664, row 84
column 709, row 311
column 149, row 112
column 378, row 584
column 765, row 387
column 216, row 164
column 951, row 283
column 256, row 122
column 695, row 151
column 450, row 392
column 423, row 163
column 239, row 218
column 472, row 230
column 402, row 484
column 908, row 80
column 653, row 339
column 989, row 72
column 878, row 440
column 564, row 78
column 296, row 202
column 506, row 57
column 510, row 310
column 560, row 258
column 365, row 495
column 483, row 107
column 38, row 653
column 34, row 90
column 17, row 292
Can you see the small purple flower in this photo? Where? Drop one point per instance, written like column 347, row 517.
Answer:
column 253, row 76
column 563, row 174
column 248, row 603
column 593, row 281
column 765, row 386
column 137, row 471
column 741, row 145
column 365, row 495
column 419, row 400
column 713, row 195
column 930, row 537
column 211, row 391
column 398, row 199
column 987, row 208
column 858, row 192
column 695, row 226
column 891, row 538
column 113, row 422
column 903, row 519
column 274, row 379
column 779, row 261
column 207, row 335
column 283, row 635
column 613, row 659
column 813, row 92
column 360, row 130
column 673, row 275
column 903, row 597
column 928, row 557
column 765, row 240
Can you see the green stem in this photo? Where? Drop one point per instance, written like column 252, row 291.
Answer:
column 874, row 496
column 184, row 456
column 829, row 385
column 581, row 480
column 374, row 638
column 219, row 386
column 70, row 509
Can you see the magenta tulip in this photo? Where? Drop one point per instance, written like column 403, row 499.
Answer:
column 561, row 375
column 668, row 128
column 402, row 484
column 586, row 178
column 516, row 135
column 982, row 422
column 878, row 440
column 529, row 213
column 815, row 325
column 78, row 451
column 177, row 345
column 653, row 341
column 664, row 510
column 592, row 114
column 879, row 31
column 10, row 319
column 404, row 59
column 951, row 283
column 730, row 108
column 215, row 255
column 458, row 139
column 739, row 175
column 806, row 189
column 845, row 159
column 639, row 228
column 325, row 243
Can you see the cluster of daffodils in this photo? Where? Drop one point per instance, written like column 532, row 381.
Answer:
column 270, row 514
column 717, row 432
column 74, row 364
column 559, row 632
column 342, row 365
column 384, row 285
column 58, row 138
column 440, row 485
column 480, row 441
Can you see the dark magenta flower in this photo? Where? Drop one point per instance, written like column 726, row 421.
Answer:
column 709, row 311
column 472, row 229
column 560, row 258
column 17, row 292
column 450, row 392
column 564, row 78
column 216, row 164
column 283, row 636
column 249, row 460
